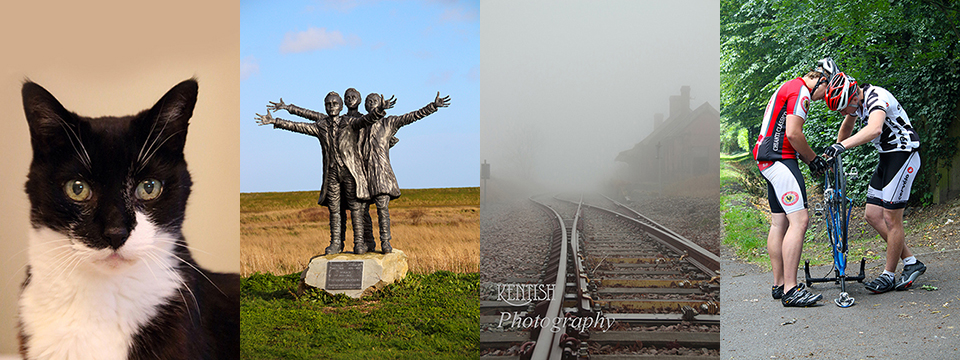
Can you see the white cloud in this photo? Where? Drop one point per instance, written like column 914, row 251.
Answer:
column 439, row 78
column 457, row 14
column 249, row 66
column 315, row 39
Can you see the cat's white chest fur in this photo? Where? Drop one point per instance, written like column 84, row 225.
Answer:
column 89, row 304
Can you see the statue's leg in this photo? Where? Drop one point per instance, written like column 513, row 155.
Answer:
column 343, row 217
column 368, row 227
column 334, row 205
column 383, row 215
column 356, row 215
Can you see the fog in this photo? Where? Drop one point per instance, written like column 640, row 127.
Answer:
column 565, row 86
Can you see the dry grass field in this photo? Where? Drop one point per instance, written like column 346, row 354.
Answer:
column 437, row 228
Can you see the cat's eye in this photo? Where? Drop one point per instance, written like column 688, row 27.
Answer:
column 78, row 190
column 149, row 189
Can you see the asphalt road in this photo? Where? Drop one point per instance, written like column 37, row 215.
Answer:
column 912, row 324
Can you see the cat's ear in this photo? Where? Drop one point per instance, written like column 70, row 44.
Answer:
column 50, row 123
column 168, row 119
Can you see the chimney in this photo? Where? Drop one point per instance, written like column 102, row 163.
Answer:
column 657, row 121
column 680, row 105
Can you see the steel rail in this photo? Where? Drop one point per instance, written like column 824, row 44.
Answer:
column 547, row 342
column 700, row 257
column 580, row 272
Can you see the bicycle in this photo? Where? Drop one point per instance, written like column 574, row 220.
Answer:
column 837, row 207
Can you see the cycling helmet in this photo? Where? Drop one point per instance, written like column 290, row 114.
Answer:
column 839, row 91
column 827, row 67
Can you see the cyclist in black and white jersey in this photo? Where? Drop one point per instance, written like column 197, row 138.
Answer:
column 888, row 127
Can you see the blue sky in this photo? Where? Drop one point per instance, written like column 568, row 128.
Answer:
column 301, row 50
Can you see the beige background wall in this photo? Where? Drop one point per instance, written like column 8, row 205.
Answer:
column 117, row 58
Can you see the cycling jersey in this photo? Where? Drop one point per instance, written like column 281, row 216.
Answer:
column 897, row 133
column 792, row 98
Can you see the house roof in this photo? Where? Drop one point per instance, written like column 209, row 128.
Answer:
column 672, row 126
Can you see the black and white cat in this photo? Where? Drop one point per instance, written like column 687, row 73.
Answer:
column 109, row 273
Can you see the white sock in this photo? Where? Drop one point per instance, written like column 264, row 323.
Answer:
column 890, row 274
column 910, row 260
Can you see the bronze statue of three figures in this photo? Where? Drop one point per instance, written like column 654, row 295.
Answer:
column 355, row 149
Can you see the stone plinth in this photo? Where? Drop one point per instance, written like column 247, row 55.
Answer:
column 355, row 275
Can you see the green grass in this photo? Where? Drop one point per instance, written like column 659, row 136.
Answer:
column 271, row 201
column 432, row 316
column 745, row 228
column 728, row 174
column 736, row 157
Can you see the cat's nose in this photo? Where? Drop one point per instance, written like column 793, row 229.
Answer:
column 116, row 236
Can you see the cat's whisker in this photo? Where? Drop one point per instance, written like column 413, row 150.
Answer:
column 80, row 261
column 55, row 240
column 145, row 161
column 60, row 260
column 40, row 243
column 176, row 242
column 181, row 280
column 57, row 248
column 12, row 276
column 79, row 256
column 152, row 128
column 72, row 135
column 59, row 257
column 147, row 264
column 194, row 268
column 70, row 262
column 143, row 157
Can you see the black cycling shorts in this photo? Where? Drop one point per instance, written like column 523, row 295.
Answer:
column 891, row 182
column 786, row 190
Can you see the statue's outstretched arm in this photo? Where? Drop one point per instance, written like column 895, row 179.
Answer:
column 390, row 102
column 265, row 119
column 431, row 108
column 441, row 101
column 277, row 106
column 305, row 113
column 278, row 123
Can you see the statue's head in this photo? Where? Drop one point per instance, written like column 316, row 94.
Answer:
column 333, row 103
column 351, row 98
column 374, row 101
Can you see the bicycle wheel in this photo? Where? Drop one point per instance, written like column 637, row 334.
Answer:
column 844, row 203
column 844, row 218
column 832, row 215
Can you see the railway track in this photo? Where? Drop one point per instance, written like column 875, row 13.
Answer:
column 615, row 285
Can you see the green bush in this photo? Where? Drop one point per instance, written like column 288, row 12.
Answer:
column 912, row 49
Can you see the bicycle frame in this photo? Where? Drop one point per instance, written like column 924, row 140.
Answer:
column 837, row 208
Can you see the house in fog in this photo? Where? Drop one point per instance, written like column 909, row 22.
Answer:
column 681, row 157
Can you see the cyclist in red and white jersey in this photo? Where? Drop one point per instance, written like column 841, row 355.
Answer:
column 888, row 127
column 780, row 144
